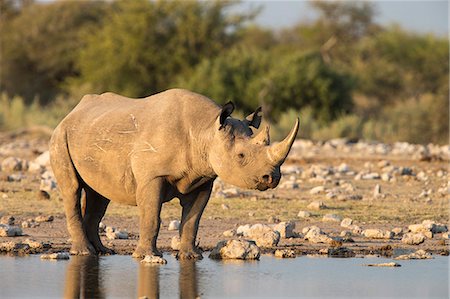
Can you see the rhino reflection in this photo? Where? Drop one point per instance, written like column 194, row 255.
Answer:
column 148, row 280
column 82, row 278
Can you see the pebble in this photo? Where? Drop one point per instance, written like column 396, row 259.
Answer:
column 304, row 214
column 11, row 164
column 346, row 222
column 316, row 205
column 315, row 235
column 317, row 190
column 30, row 223
column 174, row 225
column 225, row 207
column 273, row 219
column 285, row 253
column 44, row 218
column 343, row 168
column 152, row 259
column 386, row 177
column 242, row 230
column 116, row 234
column 236, row 249
column 56, row 256
column 377, row 191
column 331, row 218
column 9, row 220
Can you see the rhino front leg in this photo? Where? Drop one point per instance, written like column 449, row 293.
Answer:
column 193, row 206
column 149, row 202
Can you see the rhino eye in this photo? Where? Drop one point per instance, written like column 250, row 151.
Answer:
column 241, row 155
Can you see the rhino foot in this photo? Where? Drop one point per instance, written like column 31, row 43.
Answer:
column 190, row 255
column 141, row 252
column 82, row 249
column 105, row 250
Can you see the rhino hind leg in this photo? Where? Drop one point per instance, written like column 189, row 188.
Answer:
column 70, row 188
column 96, row 206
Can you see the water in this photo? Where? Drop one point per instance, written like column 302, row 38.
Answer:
column 303, row 277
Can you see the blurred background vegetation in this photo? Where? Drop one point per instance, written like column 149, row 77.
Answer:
column 343, row 74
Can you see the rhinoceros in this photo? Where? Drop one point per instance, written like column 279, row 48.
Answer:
column 144, row 152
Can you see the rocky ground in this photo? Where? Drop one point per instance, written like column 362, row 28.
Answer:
column 337, row 198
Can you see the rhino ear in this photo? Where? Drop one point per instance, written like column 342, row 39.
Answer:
column 227, row 109
column 254, row 119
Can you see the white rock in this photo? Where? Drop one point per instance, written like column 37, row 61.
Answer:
column 391, row 264
column 377, row 191
column 315, row 235
column 286, row 229
column 317, row 190
column 316, row 205
column 346, row 222
column 15, row 177
column 242, row 230
column 9, row 231
column 152, row 259
column 370, row 176
column 116, row 235
column 33, row 244
column 236, row 249
column 386, row 176
column 175, row 243
column 44, row 218
column 418, row 255
column 230, row 233
column 43, row 159
column 47, row 184
column 56, row 256
column 263, row 235
column 11, row 164
column 413, row 239
column 375, row 233
column 34, row 167
column 284, row 253
column 331, row 218
column 9, row 220
column 304, row 214
column 343, row 168
column 174, row 225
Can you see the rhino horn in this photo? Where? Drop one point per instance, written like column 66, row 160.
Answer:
column 263, row 136
column 278, row 152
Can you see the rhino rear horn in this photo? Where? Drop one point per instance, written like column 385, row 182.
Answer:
column 263, row 136
column 278, row 152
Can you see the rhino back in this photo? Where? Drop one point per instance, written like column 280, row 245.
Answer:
column 115, row 142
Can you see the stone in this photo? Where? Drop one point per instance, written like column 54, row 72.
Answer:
column 9, row 220
column 398, row 231
column 43, row 195
column 113, row 234
column 377, row 191
column 33, row 244
column 385, row 176
column 56, row 256
column 153, row 259
column 285, row 253
column 9, row 231
column 413, row 238
column 406, row 171
column 317, row 190
column 435, row 228
column 44, row 218
column 418, row 255
column 13, row 247
column 286, row 229
column 315, row 235
column 225, row 207
column 11, row 164
column 47, row 185
column 348, row 187
column 331, row 195
column 445, row 236
column 174, row 225
column 101, row 227
column 304, row 214
column 16, row 177
column 175, row 243
column 345, row 234
column 230, row 233
column 371, row 176
column 375, row 233
column 34, row 167
column 273, row 219
column 425, row 229
column 355, row 229
column 43, row 159
column 316, row 205
column 30, row 223
column 346, row 222
column 383, row 163
column 391, row 264
column 236, row 249
column 339, row 252
column 263, row 235
column 242, row 230
column 343, row 168
column 331, row 218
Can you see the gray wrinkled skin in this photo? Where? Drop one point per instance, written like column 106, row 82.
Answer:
column 145, row 152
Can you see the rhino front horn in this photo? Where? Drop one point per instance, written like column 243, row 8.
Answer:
column 278, row 152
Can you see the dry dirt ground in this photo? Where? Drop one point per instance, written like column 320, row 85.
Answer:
column 404, row 199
